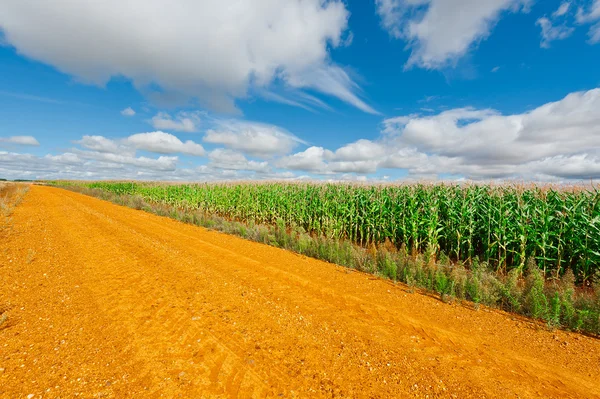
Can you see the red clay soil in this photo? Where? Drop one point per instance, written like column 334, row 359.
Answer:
column 106, row 301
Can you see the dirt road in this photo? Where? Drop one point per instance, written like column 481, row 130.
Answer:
column 105, row 301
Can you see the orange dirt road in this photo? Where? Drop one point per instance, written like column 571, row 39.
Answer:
column 106, row 301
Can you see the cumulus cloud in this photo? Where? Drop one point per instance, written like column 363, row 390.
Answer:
column 128, row 112
column 20, row 140
column 439, row 32
column 183, row 121
column 162, row 163
column 67, row 158
column 362, row 150
column 92, row 165
column 227, row 159
column 15, row 165
column 164, row 143
column 310, row 160
column 86, row 165
column 212, row 50
column 484, row 143
column 360, row 157
column 558, row 140
column 360, row 167
column 257, row 139
column 156, row 142
column 103, row 144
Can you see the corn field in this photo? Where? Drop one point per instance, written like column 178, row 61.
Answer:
column 503, row 226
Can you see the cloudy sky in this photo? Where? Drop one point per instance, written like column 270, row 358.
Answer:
column 200, row 90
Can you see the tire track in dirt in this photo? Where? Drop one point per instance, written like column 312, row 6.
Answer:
column 192, row 313
column 212, row 365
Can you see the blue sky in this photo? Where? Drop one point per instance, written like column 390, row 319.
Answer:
column 272, row 89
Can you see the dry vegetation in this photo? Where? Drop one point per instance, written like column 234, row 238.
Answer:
column 11, row 195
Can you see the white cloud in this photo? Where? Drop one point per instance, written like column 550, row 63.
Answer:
column 14, row 165
column 362, row 150
column 551, row 33
column 555, row 27
column 562, row 9
column 311, row 160
column 594, row 34
column 283, row 99
column 590, row 16
column 164, row 143
column 331, row 80
column 405, row 158
column 183, row 121
column 157, row 142
column 20, row 140
column 103, row 144
column 162, row 163
column 86, row 165
column 128, row 112
column 439, row 32
column 213, row 50
column 91, row 165
column 582, row 166
column 495, row 69
column 484, row 143
column 252, row 138
column 556, row 141
column 66, row 158
column 392, row 14
column 360, row 157
column 361, row 167
column 223, row 158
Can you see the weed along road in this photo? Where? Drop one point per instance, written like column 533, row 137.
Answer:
column 106, row 301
